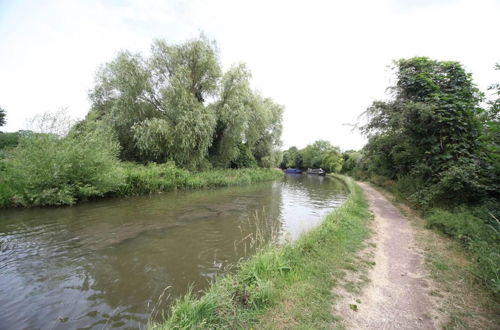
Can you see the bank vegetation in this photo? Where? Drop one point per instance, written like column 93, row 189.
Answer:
column 173, row 119
column 436, row 145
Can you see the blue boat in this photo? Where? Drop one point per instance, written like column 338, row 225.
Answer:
column 293, row 170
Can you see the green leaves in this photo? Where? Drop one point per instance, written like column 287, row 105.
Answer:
column 158, row 107
column 2, row 117
column 429, row 130
column 319, row 154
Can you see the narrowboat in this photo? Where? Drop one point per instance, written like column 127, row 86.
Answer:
column 293, row 170
column 317, row 171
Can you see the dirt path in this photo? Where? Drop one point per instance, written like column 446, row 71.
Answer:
column 397, row 294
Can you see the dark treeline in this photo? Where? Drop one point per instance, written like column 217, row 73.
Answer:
column 152, row 121
column 320, row 154
column 435, row 143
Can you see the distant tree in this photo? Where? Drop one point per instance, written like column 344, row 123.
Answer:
column 322, row 154
column 351, row 160
column 3, row 114
column 291, row 158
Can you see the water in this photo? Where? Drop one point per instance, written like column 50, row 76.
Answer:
column 107, row 263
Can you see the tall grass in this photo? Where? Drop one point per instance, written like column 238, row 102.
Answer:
column 300, row 274
column 48, row 170
column 155, row 178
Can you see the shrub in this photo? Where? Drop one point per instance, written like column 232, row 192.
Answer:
column 45, row 169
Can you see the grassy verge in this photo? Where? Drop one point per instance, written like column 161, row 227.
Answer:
column 462, row 300
column 286, row 286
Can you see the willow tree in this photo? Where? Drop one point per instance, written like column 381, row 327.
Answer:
column 177, row 105
column 232, row 108
column 157, row 105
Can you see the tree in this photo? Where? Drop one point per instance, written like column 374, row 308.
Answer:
column 159, row 108
column 292, row 158
column 429, row 130
column 156, row 105
column 233, row 111
column 3, row 114
column 321, row 153
column 351, row 160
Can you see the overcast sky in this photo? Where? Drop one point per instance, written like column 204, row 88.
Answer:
column 325, row 61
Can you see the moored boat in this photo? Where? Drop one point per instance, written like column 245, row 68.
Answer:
column 293, row 170
column 317, row 171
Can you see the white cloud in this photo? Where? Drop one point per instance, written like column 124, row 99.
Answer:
column 324, row 60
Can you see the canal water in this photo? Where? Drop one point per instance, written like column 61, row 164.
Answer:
column 116, row 263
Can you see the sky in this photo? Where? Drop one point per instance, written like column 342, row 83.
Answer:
column 324, row 61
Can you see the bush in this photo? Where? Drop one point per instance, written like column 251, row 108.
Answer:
column 45, row 169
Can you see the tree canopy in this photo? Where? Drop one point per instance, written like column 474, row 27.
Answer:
column 178, row 105
column 2, row 117
column 430, row 132
column 320, row 154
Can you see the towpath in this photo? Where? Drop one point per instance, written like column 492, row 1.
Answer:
column 396, row 296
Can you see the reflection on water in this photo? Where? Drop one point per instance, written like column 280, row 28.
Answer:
column 106, row 263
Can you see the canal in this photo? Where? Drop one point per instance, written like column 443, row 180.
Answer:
column 116, row 263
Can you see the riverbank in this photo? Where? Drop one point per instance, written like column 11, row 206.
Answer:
column 125, row 179
column 284, row 286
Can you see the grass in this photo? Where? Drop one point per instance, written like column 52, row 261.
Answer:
column 286, row 286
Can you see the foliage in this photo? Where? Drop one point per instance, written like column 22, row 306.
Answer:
column 319, row 154
column 351, row 160
column 467, row 225
column 294, row 274
column 233, row 114
column 292, row 158
column 10, row 140
column 159, row 108
column 430, row 132
column 77, row 177
column 155, row 178
column 490, row 138
column 3, row 114
column 45, row 169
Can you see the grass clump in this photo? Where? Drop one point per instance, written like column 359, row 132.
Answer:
column 281, row 286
